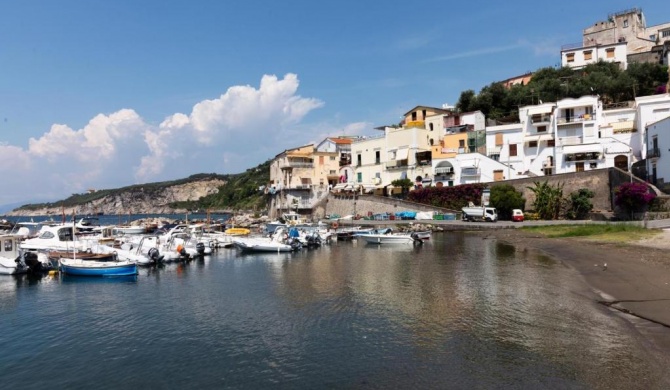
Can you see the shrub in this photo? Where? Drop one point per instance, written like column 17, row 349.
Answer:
column 633, row 197
column 580, row 204
column 505, row 198
column 548, row 200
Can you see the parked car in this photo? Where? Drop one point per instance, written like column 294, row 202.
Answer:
column 517, row 215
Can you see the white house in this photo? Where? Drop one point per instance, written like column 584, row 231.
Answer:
column 577, row 56
column 658, row 153
column 650, row 109
column 505, row 144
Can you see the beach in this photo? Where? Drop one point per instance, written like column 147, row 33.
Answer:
column 632, row 278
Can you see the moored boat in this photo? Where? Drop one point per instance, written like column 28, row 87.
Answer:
column 390, row 238
column 81, row 267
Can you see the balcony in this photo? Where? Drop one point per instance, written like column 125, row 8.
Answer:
column 394, row 164
column 470, row 172
column 419, row 124
column 540, row 120
column 654, row 153
column 562, row 120
column 296, row 164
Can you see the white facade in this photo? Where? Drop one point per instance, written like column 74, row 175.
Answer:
column 474, row 118
column 650, row 109
column 658, row 148
column 579, row 57
column 538, row 124
column 368, row 162
column 505, row 144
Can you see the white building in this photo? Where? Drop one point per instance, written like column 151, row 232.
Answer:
column 658, row 150
column 577, row 56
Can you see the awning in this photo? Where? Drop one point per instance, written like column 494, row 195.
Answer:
column 538, row 110
column 538, row 137
column 585, row 148
column 443, row 170
column 402, row 154
column 340, row 186
column 617, row 148
column 623, row 127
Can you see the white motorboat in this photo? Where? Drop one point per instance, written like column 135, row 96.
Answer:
column 391, row 238
column 11, row 258
column 130, row 230
column 52, row 238
column 87, row 224
column 278, row 242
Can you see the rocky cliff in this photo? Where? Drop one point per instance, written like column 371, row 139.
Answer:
column 135, row 200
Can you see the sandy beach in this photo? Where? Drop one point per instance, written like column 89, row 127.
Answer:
column 633, row 278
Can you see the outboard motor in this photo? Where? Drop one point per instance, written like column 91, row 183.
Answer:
column 155, row 255
column 200, row 248
column 295, row 244
column 34, row 265
column 417, row 240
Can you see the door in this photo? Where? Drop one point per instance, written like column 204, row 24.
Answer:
column 579, row 167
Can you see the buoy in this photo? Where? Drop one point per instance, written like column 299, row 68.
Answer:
column 53, row 272
column 179, row 248
column 334, row 225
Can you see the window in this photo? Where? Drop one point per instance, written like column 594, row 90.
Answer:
column 512, row 150
column 377, row 157
column 625, row 23
column 499, row 139
column 332, row 158
column 570, row 57
column 609, row 53
column 551, row 143
column 665, row 33
column 652, row 37
column 320, row 160
column 542, row 129
column 431, row 126
column 461, row 143
column 8, row 245
column 358, row 160
column 588, row 55
column 359, row 177
column 332, row 172
column 532, row 144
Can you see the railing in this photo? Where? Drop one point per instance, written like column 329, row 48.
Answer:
column 396, row 164
column 574, row 119
column 654, row 153
column 565, row 141
column 540, row 119
column 572, row 46
column 296, row 165
column 470, row 172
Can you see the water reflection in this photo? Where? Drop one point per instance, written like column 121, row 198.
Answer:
column 462, row 310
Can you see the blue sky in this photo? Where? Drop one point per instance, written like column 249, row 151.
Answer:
column 103, row 94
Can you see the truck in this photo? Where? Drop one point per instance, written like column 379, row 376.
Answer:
column 479, row 213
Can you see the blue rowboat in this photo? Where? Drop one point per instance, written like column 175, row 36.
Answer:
column 97, row 268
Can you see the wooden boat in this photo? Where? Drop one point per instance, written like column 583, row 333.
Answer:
column 79, row 267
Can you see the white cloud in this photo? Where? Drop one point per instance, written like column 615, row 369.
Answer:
column 241, row 128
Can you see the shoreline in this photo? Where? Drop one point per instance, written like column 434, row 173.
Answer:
column 632, row 278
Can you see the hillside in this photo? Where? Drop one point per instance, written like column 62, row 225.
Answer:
column 197, row 192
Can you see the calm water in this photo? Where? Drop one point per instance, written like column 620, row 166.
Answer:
column 458, row 312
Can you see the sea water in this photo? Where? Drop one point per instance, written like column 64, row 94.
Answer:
column 460, row 311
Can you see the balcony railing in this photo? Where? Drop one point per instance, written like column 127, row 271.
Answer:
column 564, row 141
column 654, row 153
column 574, row 119
column 296, row 164
column 540, row 119
column 393, row 164
column 470, row 172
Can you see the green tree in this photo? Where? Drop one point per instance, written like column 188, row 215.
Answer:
column 580, row 204
column 505, row 198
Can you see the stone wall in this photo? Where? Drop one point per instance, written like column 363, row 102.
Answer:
column 372, row 204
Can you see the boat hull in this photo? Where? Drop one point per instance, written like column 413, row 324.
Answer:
column 258, row 246
column 97, row 268
column 389, row 238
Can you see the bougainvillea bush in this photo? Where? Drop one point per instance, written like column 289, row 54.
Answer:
column 633, row 197
column 453, row 198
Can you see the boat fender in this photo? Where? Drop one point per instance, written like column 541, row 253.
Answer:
column 334, row 225
column 179, row 249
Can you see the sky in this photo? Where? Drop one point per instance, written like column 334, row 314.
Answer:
column 102, row 94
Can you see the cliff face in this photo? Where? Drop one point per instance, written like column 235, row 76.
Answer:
column 137, row 201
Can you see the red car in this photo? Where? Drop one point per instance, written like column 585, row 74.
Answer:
column 517, row 215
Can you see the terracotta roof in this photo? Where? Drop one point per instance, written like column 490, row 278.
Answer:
column 344, row 141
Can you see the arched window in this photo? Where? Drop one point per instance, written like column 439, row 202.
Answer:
column 621, row 162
